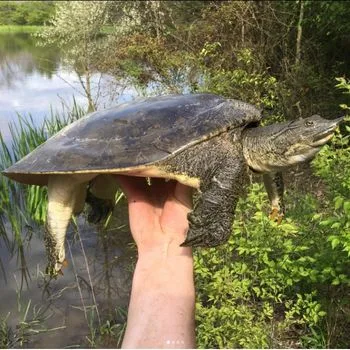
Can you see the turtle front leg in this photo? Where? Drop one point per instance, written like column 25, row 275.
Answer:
column 210, row 222
column 66, row 195
column 275, row 188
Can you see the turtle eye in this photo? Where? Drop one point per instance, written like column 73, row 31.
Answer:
column 309, row 123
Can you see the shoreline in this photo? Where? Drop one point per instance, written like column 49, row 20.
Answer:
column 13, row 28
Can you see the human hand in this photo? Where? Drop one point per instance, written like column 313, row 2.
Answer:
column 157, row 214
column 162, row 302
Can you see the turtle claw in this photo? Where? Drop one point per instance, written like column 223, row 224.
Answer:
column 196, row 233
column 192, row 242
column 276, row 215
column 194, row 220
column 53, row 272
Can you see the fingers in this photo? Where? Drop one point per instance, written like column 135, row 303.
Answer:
column 135, row 188
column 183, row 194
column 162, row 190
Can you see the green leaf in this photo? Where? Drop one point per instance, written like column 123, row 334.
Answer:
column 338, row 202
column 346, row 207
column 335, row 242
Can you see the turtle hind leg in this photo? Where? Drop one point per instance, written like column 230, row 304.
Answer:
column 275, row 189
column 65, row 196
column 210, row 222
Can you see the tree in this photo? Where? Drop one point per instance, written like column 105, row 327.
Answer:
column 148, row 44
column 76, row 28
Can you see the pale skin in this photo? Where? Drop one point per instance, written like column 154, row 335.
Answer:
column 161, row 309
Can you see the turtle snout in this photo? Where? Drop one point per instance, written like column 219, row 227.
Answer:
column 339, row 120
column 333, row 124
column 326, row 133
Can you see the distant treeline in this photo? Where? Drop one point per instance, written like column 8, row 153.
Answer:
column 26, row 12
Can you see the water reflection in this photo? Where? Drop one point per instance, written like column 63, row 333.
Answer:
column 34, row 79
column 19, row 57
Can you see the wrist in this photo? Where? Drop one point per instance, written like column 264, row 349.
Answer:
column 162, row 303
column 165, row 266
column 163, row 250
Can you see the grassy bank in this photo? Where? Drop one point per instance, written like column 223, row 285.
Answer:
column 18, row 29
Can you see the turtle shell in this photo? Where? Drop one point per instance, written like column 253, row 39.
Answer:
column 132, row 135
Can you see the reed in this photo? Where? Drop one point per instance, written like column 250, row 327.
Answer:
column 24, row 207
column 30, row 321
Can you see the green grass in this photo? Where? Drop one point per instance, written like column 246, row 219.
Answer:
column 19, row 29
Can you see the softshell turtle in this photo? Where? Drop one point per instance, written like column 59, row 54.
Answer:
column 204, row 141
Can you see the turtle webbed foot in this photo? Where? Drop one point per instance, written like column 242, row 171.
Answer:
column 276, row 215
column 207, row 233
column 55, row 270
column 197, row 232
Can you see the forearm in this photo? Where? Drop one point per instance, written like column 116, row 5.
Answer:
column 161, row 310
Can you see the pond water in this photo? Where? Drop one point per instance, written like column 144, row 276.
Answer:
column 34, row 79
column 96, row 283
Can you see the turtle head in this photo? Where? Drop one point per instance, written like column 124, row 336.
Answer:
column 277, row 146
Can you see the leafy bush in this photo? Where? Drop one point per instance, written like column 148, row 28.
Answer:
column 244, row 82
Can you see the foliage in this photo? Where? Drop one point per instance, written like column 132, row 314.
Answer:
column 243, row 81
column 10, row 338
column 272, row 280
column 110, row 333
column 25, row 13
column 235, row 48
column 333, row 167
column 31, row 323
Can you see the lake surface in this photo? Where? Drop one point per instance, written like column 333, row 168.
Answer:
column 34, row 79
column 97, row 282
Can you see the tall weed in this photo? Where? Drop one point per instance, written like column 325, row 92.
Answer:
column 21, row 206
